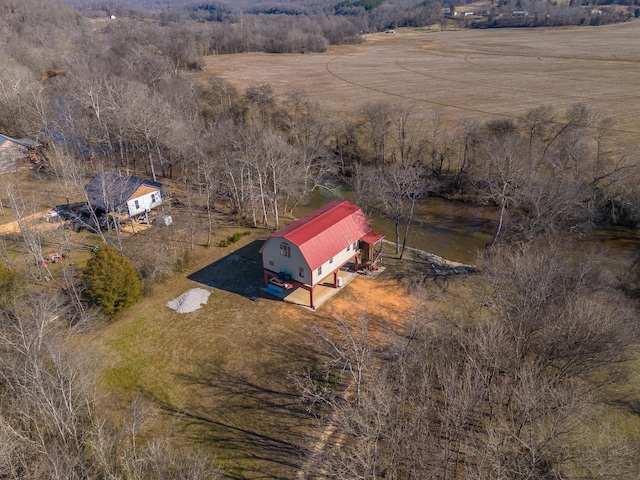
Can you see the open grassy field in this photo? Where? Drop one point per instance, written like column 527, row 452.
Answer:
column 221, row 376
column 479, row 74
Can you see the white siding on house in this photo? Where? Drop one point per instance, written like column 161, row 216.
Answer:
column 282, row 263
column 295, row 263
column 144, row 203
column 329, row 266
column 12, row 151
column 10, row 154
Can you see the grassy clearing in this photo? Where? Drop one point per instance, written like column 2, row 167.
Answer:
column 219, row 374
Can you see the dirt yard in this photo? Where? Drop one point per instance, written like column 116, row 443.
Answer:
column 35, row 221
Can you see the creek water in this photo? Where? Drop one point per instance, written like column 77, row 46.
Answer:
column 458, row 231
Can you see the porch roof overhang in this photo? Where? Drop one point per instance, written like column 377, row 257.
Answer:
column 372, row 237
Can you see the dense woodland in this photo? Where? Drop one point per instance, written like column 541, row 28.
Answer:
column 507, row 385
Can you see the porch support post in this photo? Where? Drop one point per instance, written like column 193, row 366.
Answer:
column 311, row 297
column 335, row 279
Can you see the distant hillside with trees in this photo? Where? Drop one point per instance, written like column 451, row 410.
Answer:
column 310, row 26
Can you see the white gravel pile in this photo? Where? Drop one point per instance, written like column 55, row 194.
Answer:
column 190, row 300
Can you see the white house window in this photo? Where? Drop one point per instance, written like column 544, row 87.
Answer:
column 137, row 204
column 271, row 262
column 285, row 250
column 320, row 270
column 301, row 272
column 153, row 198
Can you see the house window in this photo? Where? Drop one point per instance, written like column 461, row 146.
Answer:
column 331, row 260
column 320, row 270
column 271, row 261
column 355, row 245
column 285, row 250
column 153, row 198
column 348, row 247
column 301, row 272
column 137, row 204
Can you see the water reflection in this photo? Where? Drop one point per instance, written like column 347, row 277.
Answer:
column 452, row 230
column 457, row 231
column 619, row 243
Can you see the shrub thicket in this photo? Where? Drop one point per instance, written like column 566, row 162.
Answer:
column 231, row 239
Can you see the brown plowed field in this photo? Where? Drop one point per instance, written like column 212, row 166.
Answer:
column 478, row 74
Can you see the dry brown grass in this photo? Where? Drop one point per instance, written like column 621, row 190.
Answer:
column 220, row 376
column 478, row 74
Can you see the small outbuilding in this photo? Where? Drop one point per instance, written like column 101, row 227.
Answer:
column 313, row 248
column 13, row 149
column 125, row 195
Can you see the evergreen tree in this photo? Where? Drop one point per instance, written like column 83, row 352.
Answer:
column 112, row 281
column 10, row 282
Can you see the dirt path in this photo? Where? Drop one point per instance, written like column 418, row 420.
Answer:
column 34, row 221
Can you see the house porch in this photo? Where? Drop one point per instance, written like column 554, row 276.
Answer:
column 322, row 292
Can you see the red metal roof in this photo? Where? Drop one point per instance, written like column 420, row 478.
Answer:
column 327, row 231
column 372, row 237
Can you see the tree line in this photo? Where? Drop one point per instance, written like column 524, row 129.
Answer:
column 324, row 22
column 500, row 387
column 122, row 101
column 516, row 382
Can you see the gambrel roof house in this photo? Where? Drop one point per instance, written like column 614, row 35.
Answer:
column 109, row 192
column 317, row 246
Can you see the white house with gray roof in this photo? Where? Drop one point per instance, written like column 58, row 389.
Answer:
column 130, row 195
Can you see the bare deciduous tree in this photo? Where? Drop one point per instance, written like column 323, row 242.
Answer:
column 502, row 391
column 506, row 173
column 377, row 124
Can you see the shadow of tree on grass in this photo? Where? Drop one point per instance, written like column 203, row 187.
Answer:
column 255, row 424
